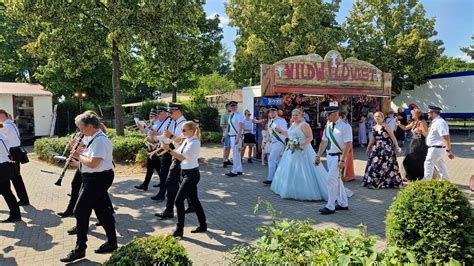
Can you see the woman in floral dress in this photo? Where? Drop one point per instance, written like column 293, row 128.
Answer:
column 382, row 169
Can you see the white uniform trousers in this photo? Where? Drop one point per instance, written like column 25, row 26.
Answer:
column 236, row 160
column 435, row 158
column 274, row 158
column 336, row 190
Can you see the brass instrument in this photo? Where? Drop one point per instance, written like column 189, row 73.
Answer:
column 68, row 160
column 159, row 150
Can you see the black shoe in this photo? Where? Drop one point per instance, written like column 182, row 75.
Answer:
column 240, row 173
column 142, row 187
column 23, row 203
column 72, row 231
column 340, row 208
column 158, row 198
column 157, row 185
column 228, row 163
column 178, row 232
column 224, row 165
column 74, row 255
column 249, row 161
column 106, row 248
column 267, row 182
column 189, row 210
column 200, row 229
column 326, row 211
column 12, row 220
column 230, row 174
column 165, row 215
column 65, row 214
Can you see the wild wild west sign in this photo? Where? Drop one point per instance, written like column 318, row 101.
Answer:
column 331, row 75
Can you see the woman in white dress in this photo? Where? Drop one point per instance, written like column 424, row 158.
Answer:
column 297, row 177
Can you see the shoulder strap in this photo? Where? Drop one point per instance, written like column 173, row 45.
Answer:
column 4, row 145
column 176, row 125
column 92, row 140
column 15, row 128
column 232, row 124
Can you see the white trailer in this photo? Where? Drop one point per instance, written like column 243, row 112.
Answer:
column 30, row 105
column 248, row 96
column 453, row 92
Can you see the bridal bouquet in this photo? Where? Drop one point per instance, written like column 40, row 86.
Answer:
column 293, row 145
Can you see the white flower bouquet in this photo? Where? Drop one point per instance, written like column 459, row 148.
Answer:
column 293, row 145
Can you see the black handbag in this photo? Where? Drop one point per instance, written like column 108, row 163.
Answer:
column 19, row 155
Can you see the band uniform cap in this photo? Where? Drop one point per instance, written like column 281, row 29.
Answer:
column 272, row 108
column 153, row 112
column 331, row 109
column 434, row 108
column 175, row 106
column 161, row 109
column 232, row 103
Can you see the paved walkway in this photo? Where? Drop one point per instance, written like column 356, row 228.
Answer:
column 229, row 202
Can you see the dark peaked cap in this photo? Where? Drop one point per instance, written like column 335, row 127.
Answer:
column 434, row 109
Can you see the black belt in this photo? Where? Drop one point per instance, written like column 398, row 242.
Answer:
column 440, row 147
column 335, row 154
column 192, row 169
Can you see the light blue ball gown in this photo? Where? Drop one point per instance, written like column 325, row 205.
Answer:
column 297, row 177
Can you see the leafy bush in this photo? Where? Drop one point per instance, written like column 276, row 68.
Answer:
column 46, row 148
column 434, row 220
column 211, row 137
column 206, row 115
column 152, row 250
column 143, row 111
column 126, row 148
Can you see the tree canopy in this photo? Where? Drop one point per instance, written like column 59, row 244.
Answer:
column 469, row 50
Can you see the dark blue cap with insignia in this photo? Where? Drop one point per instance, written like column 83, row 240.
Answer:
column 160, row 109
column 232, row 103
column 175, row 106
column 331, row 109
column 153, row 112
column 434, row 109
column 272, row 108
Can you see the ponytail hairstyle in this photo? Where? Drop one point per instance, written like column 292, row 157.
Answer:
column 193, row 126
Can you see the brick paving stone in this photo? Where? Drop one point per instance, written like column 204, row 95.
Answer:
column 41, row 238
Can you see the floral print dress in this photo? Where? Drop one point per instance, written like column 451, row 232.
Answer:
column 382, row 169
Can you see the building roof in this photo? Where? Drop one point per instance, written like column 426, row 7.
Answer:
column 235, row 95
column 24, row 89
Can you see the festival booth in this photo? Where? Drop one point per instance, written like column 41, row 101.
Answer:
column 312, row 83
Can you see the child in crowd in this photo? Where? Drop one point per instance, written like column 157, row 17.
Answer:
column 266, row 145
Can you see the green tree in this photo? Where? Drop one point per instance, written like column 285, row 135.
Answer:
column 78, row 35
column 395, row 36
column 269, row 31
column 469, row 50
column 448, row 64
column 212, row 84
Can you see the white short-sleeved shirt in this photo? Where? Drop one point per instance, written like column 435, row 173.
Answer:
column 99, row 147
column 160, row 126
column 342, row 134
column 11, row 133
column 437, row 130
column 190, row 149
column 277, row 122
column 176, row 127
column 234, row 120
column 4, row 149
column 248, row 126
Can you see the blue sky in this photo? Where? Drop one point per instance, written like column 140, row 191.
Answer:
column 454, row 22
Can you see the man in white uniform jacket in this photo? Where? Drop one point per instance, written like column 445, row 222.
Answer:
column 339, row 134
column 438, row 143
column 276, row 126
column 234, row 131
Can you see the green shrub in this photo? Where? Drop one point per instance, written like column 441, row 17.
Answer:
column 46, row 148
column 152, row 250
column 143, row 111
column 434, row 220
column 211, row 137
column 126, row 148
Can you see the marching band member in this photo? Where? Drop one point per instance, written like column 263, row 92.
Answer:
column 97, row 176
column 154, row 162
column 339, row 136
column 234, row 131
column 11, row 133
column 165, row 159
column 439, row 144
column 188, row 154
column 7, row 170
column 277, row 126
column 172, row 180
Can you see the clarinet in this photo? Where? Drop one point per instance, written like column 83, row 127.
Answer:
column 68, row 161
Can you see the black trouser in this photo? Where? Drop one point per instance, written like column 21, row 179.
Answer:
column 165, row 164
column 7, row 170
column 188, row 189
column 19, row 185
column 152, row 165
column 172, row 184
column 94, row 195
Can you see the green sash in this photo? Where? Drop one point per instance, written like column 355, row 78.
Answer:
column 332, row 139
column 236, row 131
column 276, row 135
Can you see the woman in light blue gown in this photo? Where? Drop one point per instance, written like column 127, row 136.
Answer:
column 297, row 177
